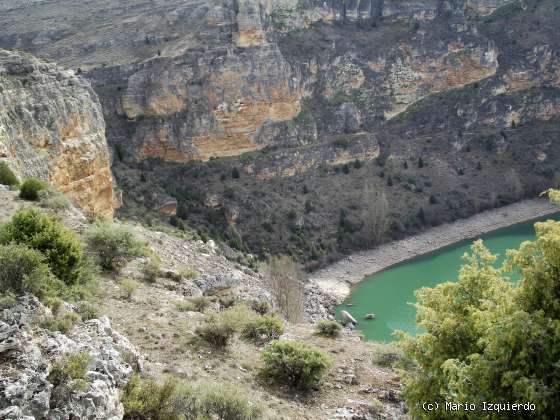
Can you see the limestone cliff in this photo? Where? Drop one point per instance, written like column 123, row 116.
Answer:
column 275, row 115
column 52, row 127
column 191, row 80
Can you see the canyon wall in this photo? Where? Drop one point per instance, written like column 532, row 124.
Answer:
column 283, row 113
column 52, row 127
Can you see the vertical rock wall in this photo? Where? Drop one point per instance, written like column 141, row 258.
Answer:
column 52, row 127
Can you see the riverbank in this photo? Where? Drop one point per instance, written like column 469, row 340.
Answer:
column 337, row 279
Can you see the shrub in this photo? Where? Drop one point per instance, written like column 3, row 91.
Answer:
column 128, row 286
column 7, row 300
column 22, row 269
column 63, row 323
column 53, row 199
column 238, row 316
column 151, row 269
column 200, row 303
column 226, row 402
column 216, row 331
column 61, row 248
column 144, row 398
column 295, row 364
column 7, row 177
column 190, row 273
column 113, row 245
column 262, row 307
column 263, row 329
column 184, row 306
column 54, row 303
column 88, row 310
column 71, row 370
column 30, row 189
column 488, row 339
column 387, row 354
column 328, row 328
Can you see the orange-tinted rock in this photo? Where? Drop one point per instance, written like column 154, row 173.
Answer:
column 52, row 127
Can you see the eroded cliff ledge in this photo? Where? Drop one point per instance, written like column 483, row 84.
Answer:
column 52, row 127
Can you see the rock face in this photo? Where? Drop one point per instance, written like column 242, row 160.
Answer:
column 247, row 111
column 216, row 83
column 25, row 389
column 210, row 105
column 52, row 127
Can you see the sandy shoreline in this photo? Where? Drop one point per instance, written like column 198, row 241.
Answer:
column 338, row 278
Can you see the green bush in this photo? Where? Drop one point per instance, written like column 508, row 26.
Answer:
column 226, row 402
column 151, row 269
column 295, row 364
column 7, row 300
column 195, row 304
column 22, row 270
column 7, row 177
column 88, row 310
column 71, row 370
column 30, row 189
column 53, row 200
column 262, row 307
column 63, row 323
column 184, row 306
column 328, row 328
column 263, row 329
column 216, row 331
column 488, row 339
column 61, row 248
column 200, row 303
column 113, row 245
column 387, row 354
column 128, row 286
column 144, row 398
column 190, row 273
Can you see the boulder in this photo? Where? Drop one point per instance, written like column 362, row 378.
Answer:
column 346, row 318
column 369, row 316
column 209, row 284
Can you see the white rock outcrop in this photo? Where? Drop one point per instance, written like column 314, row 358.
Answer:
column 28, row 353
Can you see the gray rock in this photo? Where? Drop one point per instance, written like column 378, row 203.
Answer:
column 369, row 316
column 28, row 394
column 346, row 318
column 211, row 284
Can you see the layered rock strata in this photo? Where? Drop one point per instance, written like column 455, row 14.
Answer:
column 52, row 127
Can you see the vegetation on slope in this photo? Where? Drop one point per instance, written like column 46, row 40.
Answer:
column 487, row 339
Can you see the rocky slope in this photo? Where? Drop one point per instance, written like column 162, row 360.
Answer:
column 158, row 336
column 233, row 109
column 52, row 127
column 29, row 355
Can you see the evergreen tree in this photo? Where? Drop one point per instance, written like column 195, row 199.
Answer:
column 490, row 340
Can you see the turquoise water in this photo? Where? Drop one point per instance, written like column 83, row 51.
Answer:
column 387, row 294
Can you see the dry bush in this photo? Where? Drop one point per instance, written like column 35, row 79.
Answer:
column 284, row 280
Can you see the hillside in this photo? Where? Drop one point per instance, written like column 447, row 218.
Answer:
column 151, row 332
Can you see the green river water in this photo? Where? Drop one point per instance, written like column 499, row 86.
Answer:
column 388, row 294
